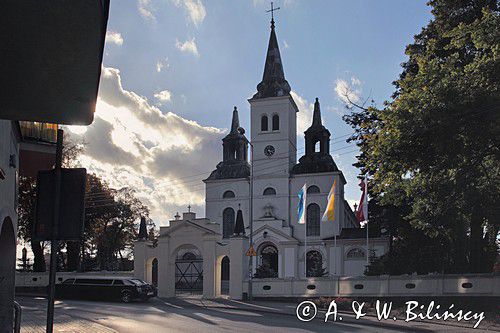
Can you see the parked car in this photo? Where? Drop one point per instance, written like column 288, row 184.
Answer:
column 123, row 289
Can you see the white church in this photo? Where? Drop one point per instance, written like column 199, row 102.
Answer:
column 211, row 255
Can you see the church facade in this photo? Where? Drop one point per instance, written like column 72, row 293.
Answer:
column 258, row 180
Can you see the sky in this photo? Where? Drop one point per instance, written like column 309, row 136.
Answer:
column 173, row 70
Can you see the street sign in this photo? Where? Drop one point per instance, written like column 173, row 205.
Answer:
column 251, row 252
column 71, row 208
column 51, row 55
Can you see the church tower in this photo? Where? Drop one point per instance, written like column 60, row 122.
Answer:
column 273, row 117
column 317, row 156
column 235, row 153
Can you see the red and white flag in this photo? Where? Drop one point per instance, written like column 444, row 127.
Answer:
column 362, row 211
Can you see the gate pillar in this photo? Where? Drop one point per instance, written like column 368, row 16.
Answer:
column 239, row 266
column 209, row 265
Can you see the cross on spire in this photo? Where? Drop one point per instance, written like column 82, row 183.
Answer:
column 272, row 10
column 189, row 208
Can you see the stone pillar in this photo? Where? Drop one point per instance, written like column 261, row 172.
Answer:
column 209, row 266
column 166, row 268
column 238, row 261
column 140, row 259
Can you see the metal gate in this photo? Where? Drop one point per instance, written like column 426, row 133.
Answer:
column 189, row 274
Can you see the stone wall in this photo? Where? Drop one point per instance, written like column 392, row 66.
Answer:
column 381, row 286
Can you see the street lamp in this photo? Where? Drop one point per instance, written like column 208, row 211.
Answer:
column 250, row 257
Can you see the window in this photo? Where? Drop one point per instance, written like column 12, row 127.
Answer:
column 314, row 264
column 263, row 123
column 355, row 253
column 227, row 222
column 228, row 194
column 269, row 191
column 118, row 283
column 313, row 189
column 276, row 122
column 268, row 262
column 69, row 281
column 313, row 220
column 189, row 256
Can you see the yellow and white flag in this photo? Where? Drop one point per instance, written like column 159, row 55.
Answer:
column 329, row 215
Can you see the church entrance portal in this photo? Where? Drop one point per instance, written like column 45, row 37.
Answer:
column 188, row 272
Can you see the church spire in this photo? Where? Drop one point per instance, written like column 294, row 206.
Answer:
column 235, row 124
column 317, row 115
column 273, row 82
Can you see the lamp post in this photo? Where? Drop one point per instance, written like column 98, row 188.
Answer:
column 250, row 258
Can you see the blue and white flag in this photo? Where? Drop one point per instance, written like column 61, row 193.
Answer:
column 301, row 208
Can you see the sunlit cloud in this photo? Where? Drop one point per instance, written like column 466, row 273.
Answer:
column 188, row 46
column 163, row 96
column 348, row 92
column 196, row 10
column 146, row 9
column 114, row 37
column 160, row 155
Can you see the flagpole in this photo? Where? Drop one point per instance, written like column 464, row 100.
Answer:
column 367, row 246
column 335, row 250
column 305, row 248
column 367, row 238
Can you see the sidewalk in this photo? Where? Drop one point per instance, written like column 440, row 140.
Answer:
column 34, row 319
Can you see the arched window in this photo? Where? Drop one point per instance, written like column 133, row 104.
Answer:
column 268, row 256
column 355, row 253
column 317, row 147
column 227, row 222
column 189, row 256
column 276, row 122
column 228, row 194
column 313, row 189
column 314, row 264
column 313, row 220
column 263, row 123
column 269, row 191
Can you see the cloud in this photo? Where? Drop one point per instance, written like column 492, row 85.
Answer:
column 160, row 64
column 285, row 44
column 114, row 37
column 146, row 9
column 163, row 96
column 188, row 46
column 304, row 117
column 160, row 155
column 196, row 10
column 348, row 92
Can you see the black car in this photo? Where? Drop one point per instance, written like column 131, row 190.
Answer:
column 124, row 289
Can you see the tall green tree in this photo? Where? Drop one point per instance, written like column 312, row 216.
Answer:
column 433, row 150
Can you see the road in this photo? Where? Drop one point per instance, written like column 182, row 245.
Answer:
column 159, row 315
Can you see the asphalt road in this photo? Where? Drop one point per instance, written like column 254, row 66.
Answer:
column 159, row 315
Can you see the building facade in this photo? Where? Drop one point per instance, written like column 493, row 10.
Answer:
column 261, row 171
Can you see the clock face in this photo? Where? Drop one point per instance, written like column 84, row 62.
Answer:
column 269, row 150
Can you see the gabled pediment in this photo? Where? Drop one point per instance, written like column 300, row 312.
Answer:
column 276, row 233
column 188, row 224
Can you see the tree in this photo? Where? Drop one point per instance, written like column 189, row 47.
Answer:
column 433, row 150
column 27, row 202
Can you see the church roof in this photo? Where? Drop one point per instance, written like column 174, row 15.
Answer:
column 143, row 233
column 273, row 82
column 235, row 123
column 317, row 114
